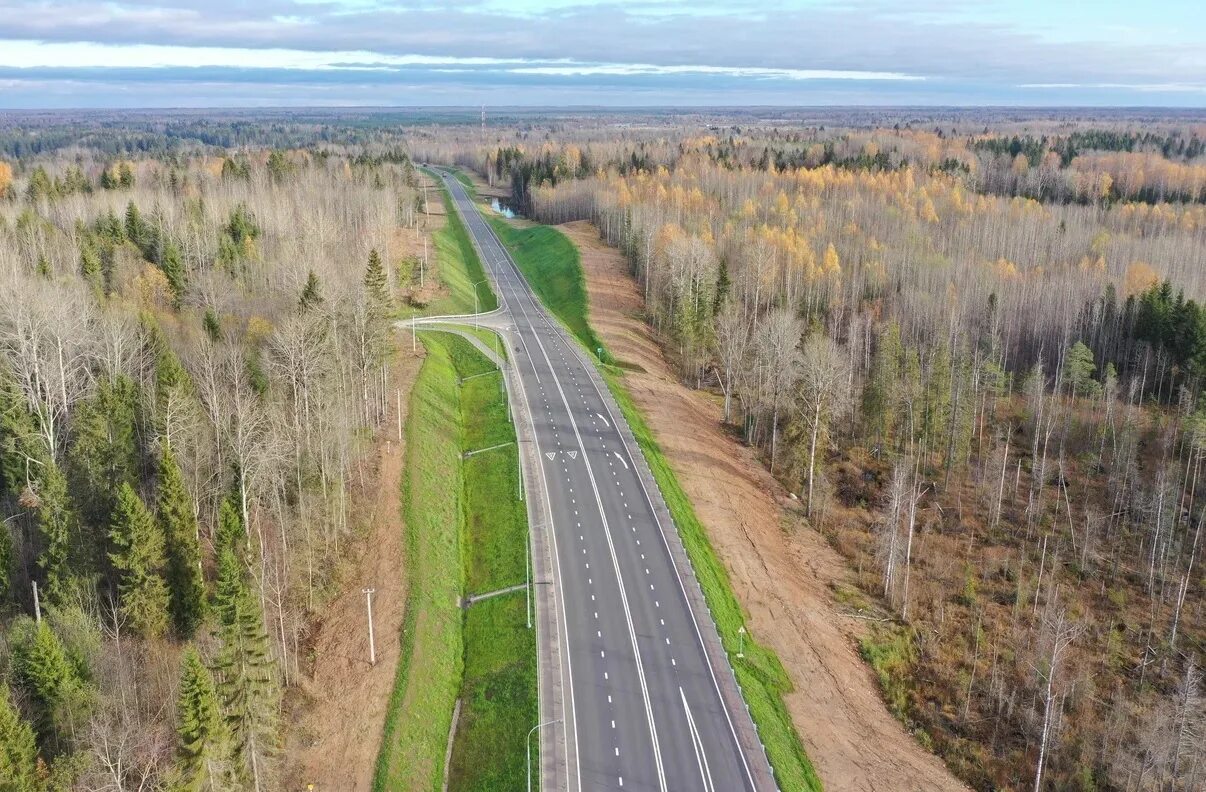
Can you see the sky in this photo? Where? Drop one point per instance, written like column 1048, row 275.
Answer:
column 637, row 53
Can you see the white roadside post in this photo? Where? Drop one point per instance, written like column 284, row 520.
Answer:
column 368, row 594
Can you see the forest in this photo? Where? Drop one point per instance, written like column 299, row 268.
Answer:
column 976, row 355
column 193, row 365
column 972, row 345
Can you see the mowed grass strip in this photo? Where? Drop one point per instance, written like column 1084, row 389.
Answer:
column 552, row 265
column 458, row 267
column 498, row 689
column 427, row 681
column 466, row 534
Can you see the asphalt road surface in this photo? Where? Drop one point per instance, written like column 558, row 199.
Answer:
column 643, row 705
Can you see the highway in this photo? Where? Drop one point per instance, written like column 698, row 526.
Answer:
column 643, row 698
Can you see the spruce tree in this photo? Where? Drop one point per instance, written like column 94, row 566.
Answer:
column 229, row 586
column 41, row 667
column 90, row 262
column 139, row 560
column 173, row 269
column 203, row 749
column 58, row 523
column 104, row 450
column 212, row 325
column 230, row 526
column 179, row 527
column 376, row 285
column 135, row 227
column 18, row 751
column 247, row 684
column 311, row 296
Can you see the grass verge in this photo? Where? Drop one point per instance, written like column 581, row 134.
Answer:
column 498, row 692
column 552, row 265
column 487, row 654
column 428, row 677
column 458, row 268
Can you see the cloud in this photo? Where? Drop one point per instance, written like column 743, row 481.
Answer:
column 526, row 51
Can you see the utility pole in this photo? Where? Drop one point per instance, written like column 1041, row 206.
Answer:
column 527, row 578
column 398, row 392
column 414, row 346
column 368, row 594
column 423, row 266
column 37, row 603
column 741, row 642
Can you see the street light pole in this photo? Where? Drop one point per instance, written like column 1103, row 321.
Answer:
column 476, row 305
column 527, row 744
column 741, row 642
column 368, row 594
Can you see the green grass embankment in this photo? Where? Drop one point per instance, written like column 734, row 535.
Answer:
column 550, row 262
column 498, row 692
column 552, row 265
column 467, row 532
column 458, row 268
column 427, row 680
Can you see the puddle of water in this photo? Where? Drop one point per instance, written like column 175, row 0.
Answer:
column 503, row 207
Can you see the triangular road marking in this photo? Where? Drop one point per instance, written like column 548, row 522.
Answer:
column 550, row 454
column 572, row 454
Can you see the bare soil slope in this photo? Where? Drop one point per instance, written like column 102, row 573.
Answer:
column 784, row 573
column 336, row 722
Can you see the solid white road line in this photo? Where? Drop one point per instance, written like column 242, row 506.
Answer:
column 701, row 755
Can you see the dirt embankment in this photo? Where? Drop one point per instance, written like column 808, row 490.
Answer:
column 783, row 572
column 338, row 713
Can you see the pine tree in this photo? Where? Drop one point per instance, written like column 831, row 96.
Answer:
column 1079, row 368
column 139, row 561
column 376, row 285
column 311, row 296
column 203, row 749
column 18, row 751
column 179, row 527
